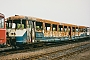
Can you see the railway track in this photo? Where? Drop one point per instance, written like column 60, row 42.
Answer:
column 34, row 48
column 29, row 48
column 14, row 51
column 57, row 55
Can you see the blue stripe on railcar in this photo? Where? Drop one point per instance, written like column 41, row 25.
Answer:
column 21, row 39
column 40, row 37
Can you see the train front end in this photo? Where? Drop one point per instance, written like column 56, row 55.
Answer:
column 16, row 31
column 2, row 30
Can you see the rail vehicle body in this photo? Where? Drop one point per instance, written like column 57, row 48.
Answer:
column 2, row 30
column 25, row 30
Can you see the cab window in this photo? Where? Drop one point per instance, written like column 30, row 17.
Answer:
column 1, row 22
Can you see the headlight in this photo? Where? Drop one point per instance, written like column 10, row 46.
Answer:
column 11, row 33
column 14, row 33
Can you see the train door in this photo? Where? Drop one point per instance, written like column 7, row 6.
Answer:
column 31, row 31
column 70, row 32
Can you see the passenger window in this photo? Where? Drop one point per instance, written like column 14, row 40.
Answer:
column 76, row 30
column 27, row 26
column 47, row 27
column 65, row 29
column 54, row 27
column 39, row 26
column 61, row 28
column 73, row 29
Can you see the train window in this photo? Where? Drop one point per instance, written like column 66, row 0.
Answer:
column 29, row 24
column 84, row 30
column 9, row 24
column 61, row 28
column 39, row 26
column 23, row 23
column 16, row 23
column 76, row 30
column 65, row 28
column 68, row 29
column 47, row 26
column 33, row 24
column 73, row 29
column 13, row 25
column 1, row 22
column 20, row 24
column 81, row 30
column 87, row 29
column 54, row 27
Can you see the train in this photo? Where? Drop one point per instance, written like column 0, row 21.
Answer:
column 2, row 30
column 27, row 30
column 20, row 30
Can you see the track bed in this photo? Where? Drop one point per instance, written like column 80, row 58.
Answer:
column 27, row 54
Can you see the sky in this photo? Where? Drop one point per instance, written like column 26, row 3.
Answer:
column 66, row 11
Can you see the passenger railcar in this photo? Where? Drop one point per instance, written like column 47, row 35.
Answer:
column 24, row 29
column 2, row 30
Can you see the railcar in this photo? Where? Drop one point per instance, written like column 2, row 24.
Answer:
column 26, row 30
column 2, row 30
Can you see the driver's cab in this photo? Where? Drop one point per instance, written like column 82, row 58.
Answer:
column 16, row 27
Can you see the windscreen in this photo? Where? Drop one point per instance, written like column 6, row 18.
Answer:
column 1, row 22
column 17, row 24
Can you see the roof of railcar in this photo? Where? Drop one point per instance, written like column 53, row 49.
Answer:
column 20, row 17
column 16, row 17
column 31, row 18
column 82, row 26
column 2, row 15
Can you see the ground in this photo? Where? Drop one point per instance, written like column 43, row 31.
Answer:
column 80, row 56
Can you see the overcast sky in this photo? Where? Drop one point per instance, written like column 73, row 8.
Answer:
column 68, row 11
